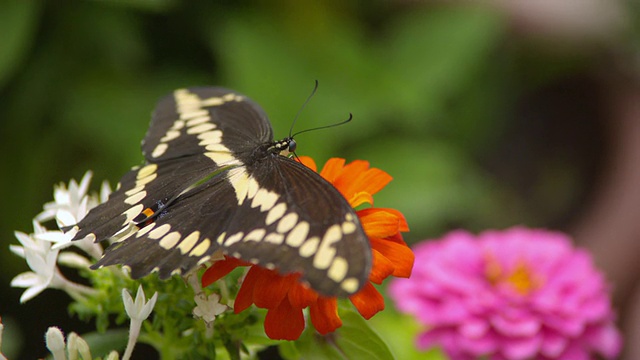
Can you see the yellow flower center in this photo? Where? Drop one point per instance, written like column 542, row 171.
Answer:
column 520, row 278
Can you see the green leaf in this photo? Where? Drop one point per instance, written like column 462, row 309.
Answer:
column 400, row 332
column 358, row 341
column 354, row 340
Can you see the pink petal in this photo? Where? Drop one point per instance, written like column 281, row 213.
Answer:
column 553, row 344
column 510, row 326
column 521, row 348
column 606, row 340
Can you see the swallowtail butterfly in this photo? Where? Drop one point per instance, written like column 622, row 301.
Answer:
column 214, row 181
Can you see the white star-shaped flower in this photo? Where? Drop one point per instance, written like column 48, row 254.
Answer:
column 208, row 307
column 138, row 311
column 71, row 204
column 41, row 258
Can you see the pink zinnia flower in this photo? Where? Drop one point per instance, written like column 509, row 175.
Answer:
column 512, row 294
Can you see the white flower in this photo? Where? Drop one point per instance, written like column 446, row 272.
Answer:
column 71, row 204
column 77, row 345
column 138, row 311
column 208, row 307
column 42, row 260
column 55, row 343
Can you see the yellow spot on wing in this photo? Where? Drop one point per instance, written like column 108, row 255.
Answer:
column 201, row 128
column 210, row 138
column 170, row 135
column 287, row 222
column 185, row 115
column 255, row 235
column 274, row 238
column 233, row 239
column 134, row 191
column 199, row 120
column 276, row 213
column 146, row 171
column 240, row 181
column 220, row 157
column 220, row 238
column 132, row 212
column 253, row 188
column 265, row 199
column 327, row 251
column 170, row 240
column 134, row 199
column 338, row 269
column 201, row 248
column 213, row 101
column 160, row 232
column 188, row 242
column 298, row 235
column 309, row 247
column 145, row 230
column 348, row 227
column 159, row 150
column 350, row 285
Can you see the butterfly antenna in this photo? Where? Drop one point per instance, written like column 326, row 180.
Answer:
column 324, row 127
column 315, row 87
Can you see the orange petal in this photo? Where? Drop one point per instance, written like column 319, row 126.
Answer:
column 404, row 227
column 332, row 169
column 284, row 322
column 368, row 301
column 308, row 162
column 221, row 268
column 360, row 198
column 397, row 238
column 381, row 269
column 371, row 181
column 301, row 296
column 399, row 254
column 272, row 288
column 244, row 299
column 348, row 175
column 378, row 222
column 324, row 315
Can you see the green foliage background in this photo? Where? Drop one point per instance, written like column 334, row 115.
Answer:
column 432, row 88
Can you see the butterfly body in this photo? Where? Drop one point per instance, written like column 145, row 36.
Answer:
column 215, row 182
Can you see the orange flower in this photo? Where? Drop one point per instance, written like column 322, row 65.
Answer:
column 285, row 297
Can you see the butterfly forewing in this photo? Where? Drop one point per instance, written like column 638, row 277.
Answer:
column 204, row 120
column 211, row 187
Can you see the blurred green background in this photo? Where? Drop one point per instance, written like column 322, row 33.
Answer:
column 483, row 119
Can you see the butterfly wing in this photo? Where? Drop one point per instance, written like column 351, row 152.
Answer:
column 204, row 120
column 288, row 218
column 194, row 133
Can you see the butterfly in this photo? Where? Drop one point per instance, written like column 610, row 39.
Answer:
column 215, row 182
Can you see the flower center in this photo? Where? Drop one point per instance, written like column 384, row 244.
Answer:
column 520, row 278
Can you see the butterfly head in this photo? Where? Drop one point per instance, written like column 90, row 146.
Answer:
column 285, row 147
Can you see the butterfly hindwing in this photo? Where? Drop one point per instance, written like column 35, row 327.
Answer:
column 143, row 187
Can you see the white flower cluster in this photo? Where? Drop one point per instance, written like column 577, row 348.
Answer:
column 42, row 248
column 43, row 251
